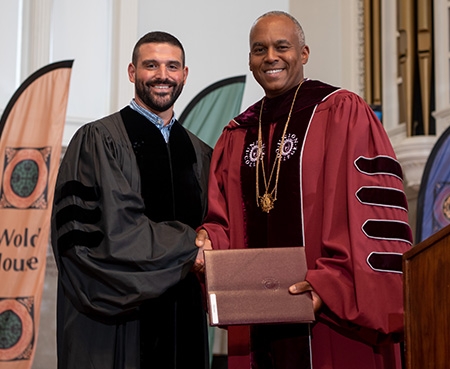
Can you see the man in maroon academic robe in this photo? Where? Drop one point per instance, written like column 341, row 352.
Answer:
column 310, row 165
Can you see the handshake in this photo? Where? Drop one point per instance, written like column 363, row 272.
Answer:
column 203, row 242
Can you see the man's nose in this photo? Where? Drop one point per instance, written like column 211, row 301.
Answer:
column 161, row 72
column 271, row 55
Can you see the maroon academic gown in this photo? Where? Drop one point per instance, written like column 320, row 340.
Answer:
column 340, row 194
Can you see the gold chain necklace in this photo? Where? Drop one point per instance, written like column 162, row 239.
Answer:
column 266, row 201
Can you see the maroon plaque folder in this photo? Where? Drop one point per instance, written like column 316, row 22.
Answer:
column 250, row 286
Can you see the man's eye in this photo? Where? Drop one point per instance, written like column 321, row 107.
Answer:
column 258, row 50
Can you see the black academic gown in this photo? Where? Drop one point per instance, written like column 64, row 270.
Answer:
column 121, row 255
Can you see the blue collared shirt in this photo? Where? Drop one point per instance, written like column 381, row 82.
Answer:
column 152, row 117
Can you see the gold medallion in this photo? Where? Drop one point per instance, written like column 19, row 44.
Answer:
column 266, row 202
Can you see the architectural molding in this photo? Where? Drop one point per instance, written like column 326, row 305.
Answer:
column 442, row 52
column 397, row 134
column 413, row 153
column 442, row 120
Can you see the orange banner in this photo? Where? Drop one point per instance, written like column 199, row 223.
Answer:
column 31, row 130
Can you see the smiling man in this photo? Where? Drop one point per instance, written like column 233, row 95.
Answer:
column 130, row 191
column 277, row 57
column 310, row 165
column 159, row 73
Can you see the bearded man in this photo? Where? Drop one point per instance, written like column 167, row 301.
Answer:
column 130, row 191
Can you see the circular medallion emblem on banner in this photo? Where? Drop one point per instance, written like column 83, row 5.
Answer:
column 446, row 208
column 25, row 178
column 441, row 209
column 17, row 329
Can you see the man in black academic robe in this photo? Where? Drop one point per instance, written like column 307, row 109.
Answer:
column 126, row 205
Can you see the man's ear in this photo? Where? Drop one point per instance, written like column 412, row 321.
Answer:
column 131, row 72
column 186, row 72
column 305, row 54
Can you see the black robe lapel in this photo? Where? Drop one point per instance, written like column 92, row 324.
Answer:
column 169, row 186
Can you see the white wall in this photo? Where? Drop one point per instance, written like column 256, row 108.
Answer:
column 39, row 32
column 10, row 49
column 331, row 33
column 215, row 36
column 81, row 31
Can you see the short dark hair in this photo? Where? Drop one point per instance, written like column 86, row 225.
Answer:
column 157, row 37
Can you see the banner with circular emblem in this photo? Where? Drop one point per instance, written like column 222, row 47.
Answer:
column 31, row 130
column 433, row 204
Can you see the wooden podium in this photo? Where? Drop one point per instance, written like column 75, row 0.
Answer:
column 426, row 271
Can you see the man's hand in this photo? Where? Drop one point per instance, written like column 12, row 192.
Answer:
column 203, row 243
column 302, row 287
column 202, row 237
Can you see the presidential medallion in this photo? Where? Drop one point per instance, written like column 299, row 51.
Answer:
column 266, row 202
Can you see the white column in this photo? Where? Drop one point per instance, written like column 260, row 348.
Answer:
column 389, row 65
column 123, row 38
column 442, row 64
column 36, row 35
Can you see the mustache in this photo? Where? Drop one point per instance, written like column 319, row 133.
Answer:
column 159, row 81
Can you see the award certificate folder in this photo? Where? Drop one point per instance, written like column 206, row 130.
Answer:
column 250, row 286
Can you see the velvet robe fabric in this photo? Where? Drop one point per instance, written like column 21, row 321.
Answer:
column 124, row 281
column 347, row 207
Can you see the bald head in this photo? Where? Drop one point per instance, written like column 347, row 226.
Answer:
column 277, row 13
column 277, row 52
